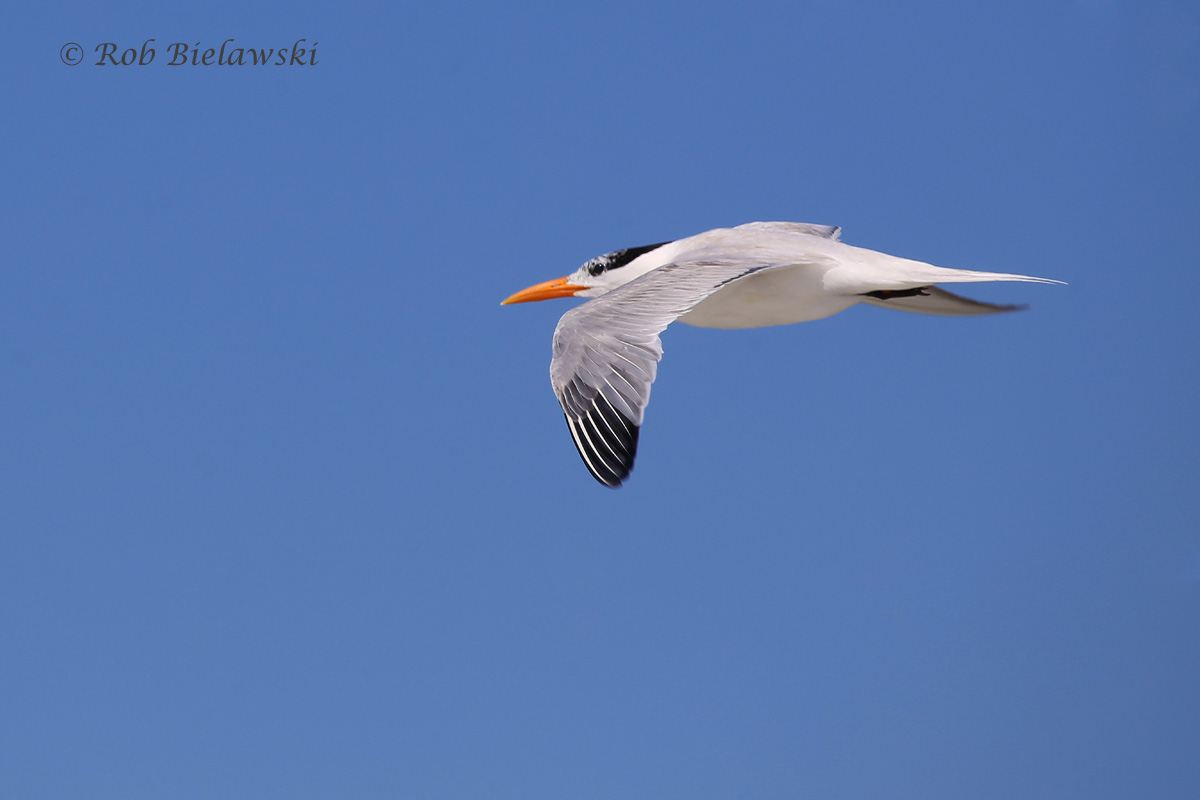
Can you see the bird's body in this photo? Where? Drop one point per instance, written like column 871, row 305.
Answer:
column 755, row 275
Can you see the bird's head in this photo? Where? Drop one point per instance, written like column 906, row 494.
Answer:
column 598, row 276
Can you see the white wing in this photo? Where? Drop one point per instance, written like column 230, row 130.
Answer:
column 606, row 354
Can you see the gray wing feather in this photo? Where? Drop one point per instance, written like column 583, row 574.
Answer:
column 824, row 231
column 942, row 303
column 606, row 355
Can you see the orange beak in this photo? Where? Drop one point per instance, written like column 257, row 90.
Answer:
column 545, row 291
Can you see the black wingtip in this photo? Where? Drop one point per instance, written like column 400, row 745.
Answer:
column 606, row 440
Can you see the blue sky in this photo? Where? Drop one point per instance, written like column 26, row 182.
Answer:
column 289, row 509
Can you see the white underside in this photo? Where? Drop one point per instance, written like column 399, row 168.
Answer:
column 777, row 297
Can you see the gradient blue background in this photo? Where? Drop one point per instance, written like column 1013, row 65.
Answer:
column 289, row 509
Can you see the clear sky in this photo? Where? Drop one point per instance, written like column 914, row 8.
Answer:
column 288, row 508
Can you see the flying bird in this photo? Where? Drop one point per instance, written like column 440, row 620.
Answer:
column 606, row 351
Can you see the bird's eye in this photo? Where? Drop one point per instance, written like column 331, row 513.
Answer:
column 618, row 258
